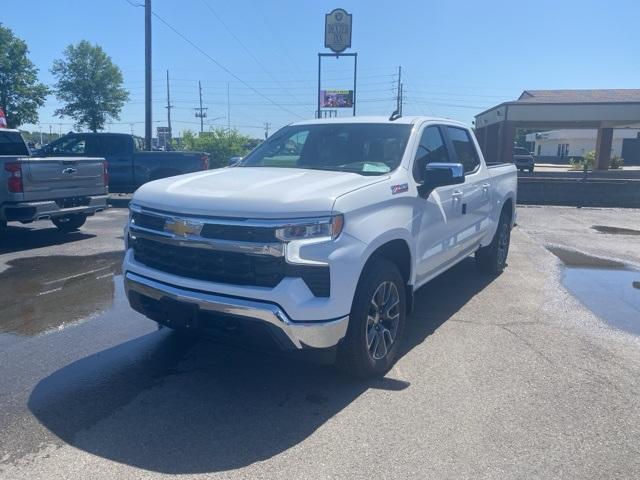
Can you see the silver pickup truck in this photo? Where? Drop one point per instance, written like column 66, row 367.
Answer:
column 63, row 190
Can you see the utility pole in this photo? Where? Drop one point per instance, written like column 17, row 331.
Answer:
column 228, row 110
column 148, row 133
column 200, row 112
column 399, row 96
column 267, row 125
column 169, row 106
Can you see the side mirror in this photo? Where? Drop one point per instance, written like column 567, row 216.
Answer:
column 440, row 175
column 235, row 161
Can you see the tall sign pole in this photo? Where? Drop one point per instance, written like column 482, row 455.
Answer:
column 148, row 133
column 337, row 38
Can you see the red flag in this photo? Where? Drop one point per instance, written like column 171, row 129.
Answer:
column 3, row 120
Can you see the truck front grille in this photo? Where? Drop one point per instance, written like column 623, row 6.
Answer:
column 217, row 231
column 227, row 267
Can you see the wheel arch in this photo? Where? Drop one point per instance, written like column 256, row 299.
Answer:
column 398, row 251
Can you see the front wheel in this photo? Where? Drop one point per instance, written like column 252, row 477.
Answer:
column 492, row 259
column 70, row 223
column 376, row 322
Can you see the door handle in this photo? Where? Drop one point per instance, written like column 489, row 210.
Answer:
column 456, row 194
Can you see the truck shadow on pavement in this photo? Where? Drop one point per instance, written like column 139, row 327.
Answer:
column 19, row 239
column 168, row 405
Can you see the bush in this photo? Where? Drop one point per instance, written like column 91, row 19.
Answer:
column 589, row 160
column 220, row 144
column 616, row 163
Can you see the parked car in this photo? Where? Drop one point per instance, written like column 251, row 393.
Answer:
column 523, row 159
column 129, row 164
column 319, row 250
column 64, row 190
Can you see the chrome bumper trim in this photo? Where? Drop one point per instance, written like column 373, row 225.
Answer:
column 317, row 334
column 49, row 208
column 195, row 241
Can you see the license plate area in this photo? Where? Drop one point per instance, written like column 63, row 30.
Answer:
column 179, row 314
column 71, row 202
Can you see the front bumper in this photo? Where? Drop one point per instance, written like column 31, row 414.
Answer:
column 148, row 297
column 47, row 209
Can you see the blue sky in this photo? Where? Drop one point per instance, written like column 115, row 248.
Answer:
column 458, row 57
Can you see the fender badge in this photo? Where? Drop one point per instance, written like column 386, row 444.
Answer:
column 403, row 187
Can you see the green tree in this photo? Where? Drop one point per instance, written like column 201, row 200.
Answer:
column 220, row 144
column 90, row 86
column 21, row 94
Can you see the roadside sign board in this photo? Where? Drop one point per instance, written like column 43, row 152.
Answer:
column 337, row 30
column 336, row 98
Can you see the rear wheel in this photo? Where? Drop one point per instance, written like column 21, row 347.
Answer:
column 492, row 259
column 70, row 223
column 376, row 322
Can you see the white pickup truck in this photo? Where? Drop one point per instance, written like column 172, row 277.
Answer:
column 64, row 190
column 318, row 239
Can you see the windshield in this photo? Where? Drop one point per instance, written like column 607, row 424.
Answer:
column 363, row 148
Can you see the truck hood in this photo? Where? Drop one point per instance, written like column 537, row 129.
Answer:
column 252, row 192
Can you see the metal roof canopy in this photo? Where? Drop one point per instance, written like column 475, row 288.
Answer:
column 556, row 109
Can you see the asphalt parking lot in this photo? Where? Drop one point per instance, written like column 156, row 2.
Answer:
column 520, row 376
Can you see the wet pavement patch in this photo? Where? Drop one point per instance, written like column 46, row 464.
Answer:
column 46, row 293
column 609, row 293
column 574, row 258
column 606, row 287
column 615, row 230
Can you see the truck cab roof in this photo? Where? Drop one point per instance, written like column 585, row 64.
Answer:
column 411, row 120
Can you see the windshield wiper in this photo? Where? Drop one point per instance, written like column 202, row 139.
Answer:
column 339, row 168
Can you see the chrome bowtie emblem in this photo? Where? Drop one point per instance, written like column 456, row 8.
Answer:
column 183, row 228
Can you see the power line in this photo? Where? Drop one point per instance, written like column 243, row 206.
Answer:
column 186, row 39
column 245, row 48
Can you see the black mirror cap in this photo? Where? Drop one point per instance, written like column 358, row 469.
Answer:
column 440, row 175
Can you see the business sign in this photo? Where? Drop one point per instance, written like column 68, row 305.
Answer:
column 336, row 98
column 337, row 30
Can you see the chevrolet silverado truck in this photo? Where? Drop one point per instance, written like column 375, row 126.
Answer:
column 319, row 238
column 129, row 164
column 64, row 190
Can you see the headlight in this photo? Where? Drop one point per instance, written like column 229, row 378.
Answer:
column 326, row 227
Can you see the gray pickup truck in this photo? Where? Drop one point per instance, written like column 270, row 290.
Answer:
column 129, row 165
column 63, row 190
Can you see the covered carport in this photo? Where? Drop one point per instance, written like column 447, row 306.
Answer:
column 604, row 110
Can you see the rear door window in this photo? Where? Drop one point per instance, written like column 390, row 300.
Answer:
column 431, row 149
column 113, row 145
column 11, row 143
column 464, row 149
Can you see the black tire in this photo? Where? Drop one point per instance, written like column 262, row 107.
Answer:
column 70, row 223
column 492, row 259
column 531, row 170
column 361, row 354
